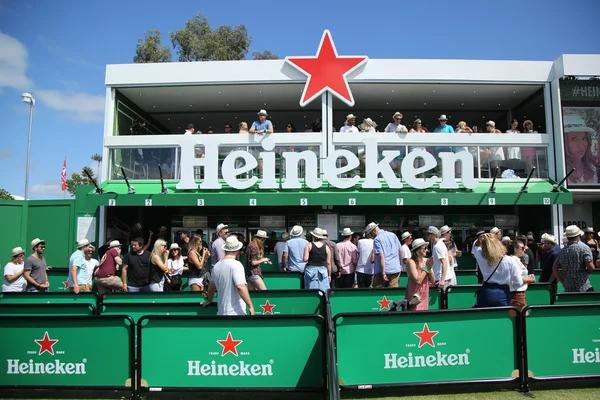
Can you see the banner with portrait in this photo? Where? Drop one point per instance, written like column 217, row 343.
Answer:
column 581, row 128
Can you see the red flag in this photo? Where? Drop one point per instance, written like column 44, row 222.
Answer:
column 63, row 176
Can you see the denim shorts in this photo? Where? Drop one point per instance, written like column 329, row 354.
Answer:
column 253, row 278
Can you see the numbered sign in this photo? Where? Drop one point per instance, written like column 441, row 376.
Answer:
column 399, row 202
column 252, row 202
column 351, row 202
column 148, row 202
column 444, row 201
column 200, row 203
column 112, row 202
column 547, row 201
column 492, row 201
column 303, row 202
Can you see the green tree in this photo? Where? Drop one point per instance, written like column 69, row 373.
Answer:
column 79, row 179
column 4, row 195
column 150, row 49
column 265, row 55
column 98, row 158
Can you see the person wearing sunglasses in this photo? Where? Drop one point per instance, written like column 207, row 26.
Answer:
column 216, row 250
column 35, row 268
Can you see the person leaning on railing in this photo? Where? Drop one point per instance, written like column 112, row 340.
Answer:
column 13, row 272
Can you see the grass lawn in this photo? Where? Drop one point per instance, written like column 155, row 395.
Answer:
column 561, row 394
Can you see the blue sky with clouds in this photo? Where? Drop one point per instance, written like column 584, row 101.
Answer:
column 58, row 51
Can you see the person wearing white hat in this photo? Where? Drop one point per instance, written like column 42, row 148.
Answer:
column 216, row 249
column 255, row 256
column 348, row 256
column 574, row 263
column 13, row 272
column 292, row 259
column 229, row 280
column 440, row 259
column 396, row 126
column 263, row 125
column 547, row 254
column 386, row 247
column 496, row 231
column 368, row 126
column 406, row 239
column 175, row 267
column 317, row 255
column 349, row 125
column 106, row 279
column 35, row 268
column 77, row 268
column 280, row 247
column 419, row 275
column 590, row 240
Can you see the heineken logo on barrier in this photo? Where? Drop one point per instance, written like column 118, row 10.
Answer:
column 424, row 359
column 37, row 367
column 384, row 304
column 267, row 308
column 65, row 285
column 587, row 356
column 240, row 368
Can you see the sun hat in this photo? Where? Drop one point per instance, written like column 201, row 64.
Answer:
column 367, row 124
column 434, row 231
column 36, row 241
column 370, row 227
column 445, row 229
column 263, row 112
column 174, row 246
column 114, row 243
column 318, row 233
column 285, row 236
column 347, row 232
column 405, row 236
column 418, row 243
column 443, row 118
column 220, row 227
column 491, row 123
column 325, row 232
column 549, row 238
column 589, row 229
column 261, row 234
column 17, row 250
column 574, row 123
column 296, row 231
column 494, row 231
column 232, row 244
column 349, row 117
column 544, row 235
column 398, row 114
column 82, row 243
column 530, row 237
column 505, row 239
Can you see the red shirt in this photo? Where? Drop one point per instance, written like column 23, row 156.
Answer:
column 108, row 266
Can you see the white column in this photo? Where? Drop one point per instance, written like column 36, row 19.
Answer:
column 109, row 124
column 548, row 108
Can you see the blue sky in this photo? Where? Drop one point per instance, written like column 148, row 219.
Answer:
column 58, row 50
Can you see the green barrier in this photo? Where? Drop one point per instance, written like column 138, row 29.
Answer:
column 273, row 302
column 538, row 294
column 60, row 310
column 90, row 352
column 156, row 297
column 233, row 353
column 283, row 280
column 577, row 298
column 427, row 347
column 48, row 297
column 561, row 341
column 138, row 310
column 466, row 277
column 466, row 262
column 373, row 300
column 57, row 278
column 462, row 296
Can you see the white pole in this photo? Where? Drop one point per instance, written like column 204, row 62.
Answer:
column 28, row 152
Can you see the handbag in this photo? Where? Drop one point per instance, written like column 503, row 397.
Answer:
column 485, row 282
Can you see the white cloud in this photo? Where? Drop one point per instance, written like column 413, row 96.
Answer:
column 80, row 106
column 46, row 189
column 13, row 63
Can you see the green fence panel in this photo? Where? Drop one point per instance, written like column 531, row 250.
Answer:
column 273, row 302
column 373, row 300
column 235, row 353
column 58, row 279
column 571, row 332
column 462, row 296
column 466, row 262
column 577, row 298
column 49, row 298
column 466, row 277
column 67, row 352
column 138, row 310
column 154, row 298
column 283, row 280
column 426, row 347
column 538, row 294
column 60, row 310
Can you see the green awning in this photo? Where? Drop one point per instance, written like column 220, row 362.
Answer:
column 149, row 193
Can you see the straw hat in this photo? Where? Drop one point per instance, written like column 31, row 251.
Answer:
column 261, row 234
column 434, row 231
column 318, row 233
column 220, row 227
column 405, row 236
column 494, row 231
column 347, row 232
column 491, row 123
column 17, row 250
column 174, row 246
column 114, row 243
column 36, row 241
column 232, row 244
column 82, row 243
column 418, row 243
column 443, row 118
column 285, row 236
column 349, row 117
column 367, row 124
column 296, row 231
column 589, row 229
column 505, row 239
column 397, row 114
column 445, row 229
column 549, row 238
column 370, row 227
column 263, row 112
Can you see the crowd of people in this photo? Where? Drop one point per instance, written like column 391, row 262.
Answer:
column 373, row 258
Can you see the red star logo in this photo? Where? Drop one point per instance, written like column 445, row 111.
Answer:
column 229, row 345
column 426, row 336
column 46, row 344
column 327, row 71
column 384, row 303
column 65, row 284
column 268, row 308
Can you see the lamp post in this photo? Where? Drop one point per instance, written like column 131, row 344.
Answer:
column 27, row 98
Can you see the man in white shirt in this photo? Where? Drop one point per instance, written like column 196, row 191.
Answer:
column 396, row 126
column 439, row 258
column 216, row 249
column 190, row 130
column 350, row 124
column 406, row 239
column 229, row 279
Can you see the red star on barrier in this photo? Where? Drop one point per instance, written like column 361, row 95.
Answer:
column 268, row 308
column 327, row 71
column 426, row 336
column 46, row 344
column 65, row 284
column 229, row 345
column 384, row 303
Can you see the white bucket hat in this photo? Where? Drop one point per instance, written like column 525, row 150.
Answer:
column 263, row 112
column 405, row 236
column 445, row 229
column 174, row 246
column 82, row 243
column 443, row 118
column 17, row 250
column 36, row 241
column 296, row 231
column 347, row 232
column 318, row 233
column 370, row 227
column 418, row 243
column 232, row 244
column 220, row 227
column 261, row 234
